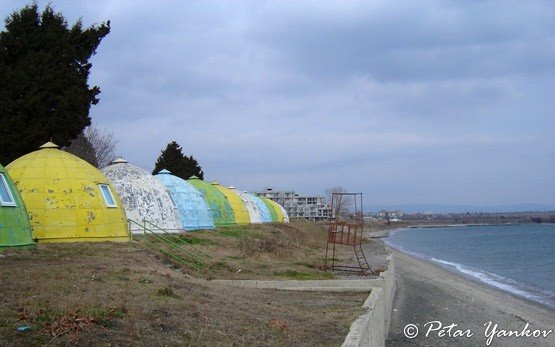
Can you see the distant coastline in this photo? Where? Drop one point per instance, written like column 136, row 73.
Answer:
column 458, row 209
column 470, row 225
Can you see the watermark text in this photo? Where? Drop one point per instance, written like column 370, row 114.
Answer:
column 490, row 332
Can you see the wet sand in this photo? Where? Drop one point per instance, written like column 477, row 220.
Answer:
column 428, row 293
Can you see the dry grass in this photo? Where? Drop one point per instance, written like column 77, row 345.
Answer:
column 277, row 251
column 120, row 294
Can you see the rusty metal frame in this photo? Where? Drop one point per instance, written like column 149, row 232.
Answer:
column 346, row 230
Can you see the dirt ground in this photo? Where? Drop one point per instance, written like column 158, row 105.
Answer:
column 123, row 294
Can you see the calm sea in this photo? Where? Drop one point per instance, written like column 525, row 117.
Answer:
column 519, row 259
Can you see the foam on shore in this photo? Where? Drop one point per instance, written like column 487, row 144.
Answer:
column 512, row 286
column 506, row 284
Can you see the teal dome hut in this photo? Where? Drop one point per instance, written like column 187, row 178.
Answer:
column 15, row 229
column 193, row 211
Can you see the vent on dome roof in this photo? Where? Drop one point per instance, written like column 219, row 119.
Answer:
column 119, row 160
column 49, row 145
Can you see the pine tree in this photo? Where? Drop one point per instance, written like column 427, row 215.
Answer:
column 44, row 70
column 180, row 165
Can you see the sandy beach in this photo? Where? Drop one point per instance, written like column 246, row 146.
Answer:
column 429, row 296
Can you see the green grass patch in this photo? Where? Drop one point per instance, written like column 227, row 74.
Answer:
column 196, row 240
column 232, row 232
column 309, row 265
column 220, row 265
column 167, row 292
column 106, row 323
column 239, row 232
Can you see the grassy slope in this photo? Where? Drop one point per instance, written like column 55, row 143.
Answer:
column 121, row 294
column 286, row 251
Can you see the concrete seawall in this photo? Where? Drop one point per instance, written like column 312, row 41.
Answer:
column 372, row 327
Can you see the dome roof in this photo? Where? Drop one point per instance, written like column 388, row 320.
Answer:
column 279, row 211
column 284, row 213
column 239, row 210
column 251, row 206
column 15, row 229
column 271, row 209
column 216, row 200
column 67, row 199
column 143, row 196
column 193, row 211
column 265, row 215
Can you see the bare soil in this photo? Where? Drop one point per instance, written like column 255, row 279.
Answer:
column 125, row 294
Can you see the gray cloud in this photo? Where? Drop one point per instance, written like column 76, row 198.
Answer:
column 412, row 41
column 430, row 102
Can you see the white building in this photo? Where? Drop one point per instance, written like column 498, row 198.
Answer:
column 299, row 206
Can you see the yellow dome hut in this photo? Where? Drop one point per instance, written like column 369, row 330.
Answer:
column 68, row 200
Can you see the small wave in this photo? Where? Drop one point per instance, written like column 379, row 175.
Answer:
column 394, row 231
column 503, row 283
column 407, row 251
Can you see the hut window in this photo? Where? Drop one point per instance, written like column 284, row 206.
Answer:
column 6, row 197
column 107, row 194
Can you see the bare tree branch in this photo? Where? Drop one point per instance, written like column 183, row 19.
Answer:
column 104, row 144
column 341, row 204
column 95, row 145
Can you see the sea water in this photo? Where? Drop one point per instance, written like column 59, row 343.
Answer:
column 519, row 259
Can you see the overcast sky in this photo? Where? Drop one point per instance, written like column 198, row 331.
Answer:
column 442, row 102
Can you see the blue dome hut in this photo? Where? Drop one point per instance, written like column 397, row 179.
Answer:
column 265, row 215
column 193, row 211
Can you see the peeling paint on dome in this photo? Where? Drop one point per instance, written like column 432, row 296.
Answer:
column 277, row 208
column 284, row 214
column 271, row 209
column 251, row 206
column 62, row 194
column 277, row 211
column 194, row 212
column 239, row 210
column 265, row 215
column 216, row 200
column 143, row 197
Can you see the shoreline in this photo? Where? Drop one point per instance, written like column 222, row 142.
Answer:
column 453, row 270
column 427, row 292
column 490, row 280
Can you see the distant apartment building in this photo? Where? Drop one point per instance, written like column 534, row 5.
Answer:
column 299, row 206
column 390, row 214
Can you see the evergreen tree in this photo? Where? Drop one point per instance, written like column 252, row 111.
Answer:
column 180, row 165
column 44, row 68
